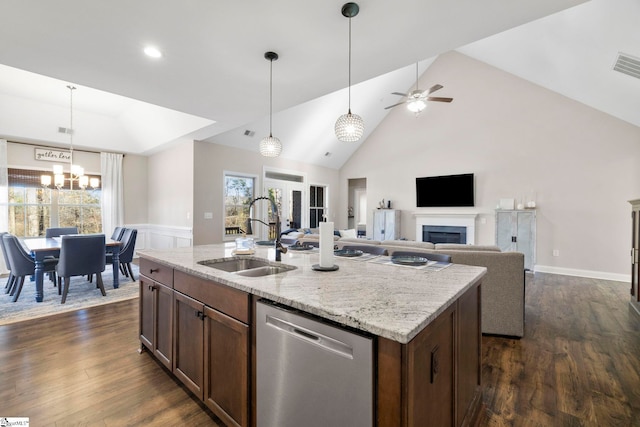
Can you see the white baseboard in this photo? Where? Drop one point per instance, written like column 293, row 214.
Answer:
column 583, row 273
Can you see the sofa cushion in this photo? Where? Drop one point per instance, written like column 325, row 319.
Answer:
column 410, row 243
column 463, row 247
column 360, row 241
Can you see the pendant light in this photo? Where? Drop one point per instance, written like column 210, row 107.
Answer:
column 270, row 146
column 349, row 127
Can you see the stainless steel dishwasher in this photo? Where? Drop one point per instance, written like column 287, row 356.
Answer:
column 311, row 373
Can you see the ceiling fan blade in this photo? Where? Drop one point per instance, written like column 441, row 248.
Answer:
column 394, row 105
column 399, row 94
column 434, row 88
column 439, row 99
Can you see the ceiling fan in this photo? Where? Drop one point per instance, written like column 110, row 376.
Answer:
column 417, row 99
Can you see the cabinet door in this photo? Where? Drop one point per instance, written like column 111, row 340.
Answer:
column 378, row 225
column 524, row 237
column 226, row 386
column 146, row 313
column 469, row 375
column 431, row 364
column 188, row 339
column 163, row 324
column 504, row 231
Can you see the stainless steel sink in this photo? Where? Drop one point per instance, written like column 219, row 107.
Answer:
column 235, row 264
column 267, row 270
column 250, row 267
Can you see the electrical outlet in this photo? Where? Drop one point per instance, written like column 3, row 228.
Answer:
column 556, row 252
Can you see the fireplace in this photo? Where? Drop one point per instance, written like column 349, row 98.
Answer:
column 444, row 234
column 450, row 226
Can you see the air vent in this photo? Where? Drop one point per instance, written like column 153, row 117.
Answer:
column 65, row 130
column 249, row 132
column 628, row 65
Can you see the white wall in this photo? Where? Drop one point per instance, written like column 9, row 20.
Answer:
column 212, row 160
column 515, row 137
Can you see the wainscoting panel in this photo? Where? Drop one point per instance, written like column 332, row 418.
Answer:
column 152, row 236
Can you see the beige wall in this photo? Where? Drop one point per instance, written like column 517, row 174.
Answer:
column 134, row 171
column 170, row 176
column 515, row 137
column 212, row 160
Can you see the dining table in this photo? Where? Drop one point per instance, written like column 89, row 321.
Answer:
column 42, row 247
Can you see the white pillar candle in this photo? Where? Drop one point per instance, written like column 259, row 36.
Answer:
column 326, row 244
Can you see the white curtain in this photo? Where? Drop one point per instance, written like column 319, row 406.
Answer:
column 4, row 195
column 112, row 192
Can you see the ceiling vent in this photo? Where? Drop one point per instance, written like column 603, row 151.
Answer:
column 249, row 132
column 65, row 130
column 628, row 65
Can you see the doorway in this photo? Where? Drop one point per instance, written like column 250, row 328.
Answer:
column 357, row 211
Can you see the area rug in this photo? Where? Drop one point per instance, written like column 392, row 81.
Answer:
column 82, row 294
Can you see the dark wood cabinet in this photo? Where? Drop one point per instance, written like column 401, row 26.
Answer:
column 156, row 319
column 435, row 379
column 227, row 363
column 188, row 345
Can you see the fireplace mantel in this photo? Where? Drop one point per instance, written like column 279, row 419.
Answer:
column 456, row 219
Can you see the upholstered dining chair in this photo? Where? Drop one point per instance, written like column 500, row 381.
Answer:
column 11, row 279
column 21, row 264
column 369, row 249
column 60, row 231
column 117, row 233
column 126, row 252
column 429, row 256
column 80, row 255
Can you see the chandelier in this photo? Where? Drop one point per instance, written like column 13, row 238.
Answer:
column 76, row 172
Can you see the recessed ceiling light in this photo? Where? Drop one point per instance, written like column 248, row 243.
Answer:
column 153, row 52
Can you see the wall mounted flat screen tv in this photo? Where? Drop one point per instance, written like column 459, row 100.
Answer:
column 445, row 191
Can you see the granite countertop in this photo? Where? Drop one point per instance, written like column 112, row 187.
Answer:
column 391, row 301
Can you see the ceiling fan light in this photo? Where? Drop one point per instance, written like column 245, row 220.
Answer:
column 349, row 127
column 416, row 106
column 270, row 146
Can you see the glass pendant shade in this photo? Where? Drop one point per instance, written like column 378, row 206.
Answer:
column 417, row 106
column 270, row 146
column 349, row 127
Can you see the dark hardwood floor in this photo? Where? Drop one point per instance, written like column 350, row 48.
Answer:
column 577, row 366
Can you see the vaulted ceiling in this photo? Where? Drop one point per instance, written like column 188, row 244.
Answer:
column 212, row 82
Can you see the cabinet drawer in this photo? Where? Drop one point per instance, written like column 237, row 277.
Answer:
column 225, row 299
column 156, row 271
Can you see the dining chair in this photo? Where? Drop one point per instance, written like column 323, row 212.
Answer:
column 126, row 252
column 60, row 231
column 81, row 255
column 21, row 264
column 369, row 249
column 430, row 256
column 11, row 279
column 117, row 233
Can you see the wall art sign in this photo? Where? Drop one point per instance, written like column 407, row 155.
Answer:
column 49, row 155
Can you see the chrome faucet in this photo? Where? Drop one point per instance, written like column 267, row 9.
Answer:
column 277, row 244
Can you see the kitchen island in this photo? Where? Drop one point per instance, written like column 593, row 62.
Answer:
column 199, row 321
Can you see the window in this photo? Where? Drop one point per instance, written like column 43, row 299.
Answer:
column 239, row 190
column 317, row 205
column 33, row 209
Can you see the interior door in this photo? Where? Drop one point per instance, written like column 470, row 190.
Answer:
column 292, row 201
